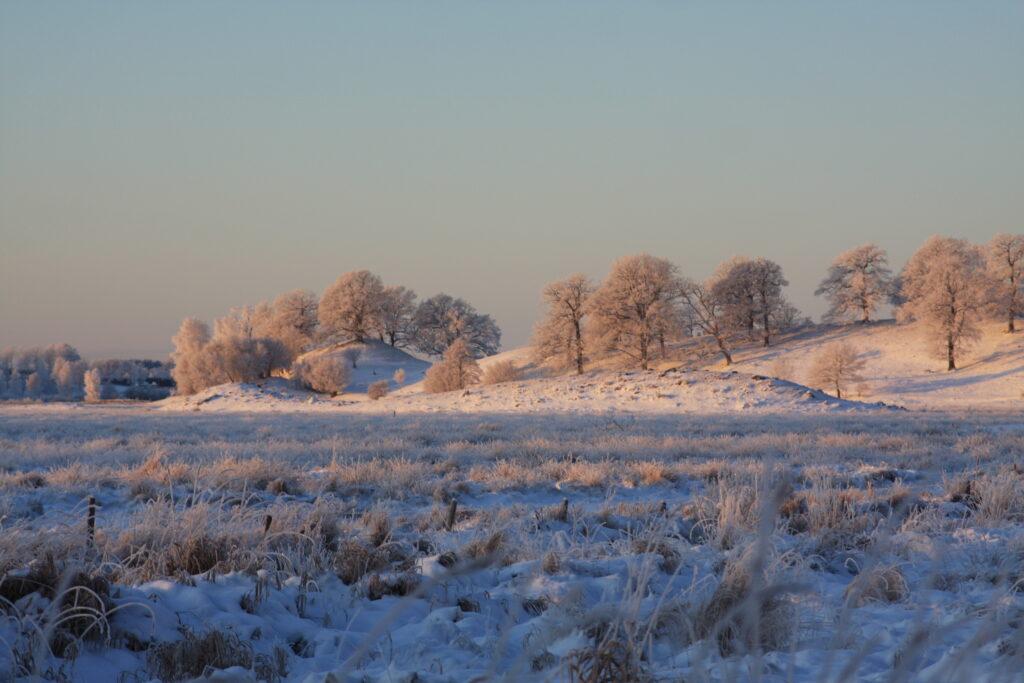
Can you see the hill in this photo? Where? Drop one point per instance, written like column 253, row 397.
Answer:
column 902, row 367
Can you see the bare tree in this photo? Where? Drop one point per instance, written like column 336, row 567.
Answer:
column 325, row 374
column 351, row 307
column 352, row 353
column 441, row 319
column 398, row 305
column 857, row 283
column 457, row 370
column 629, row 308
column 944, row 285
column 707, row 312
column 1006, row 265
column 750, row 291
column 837, row 366
column 559, row 336
column 93, row 386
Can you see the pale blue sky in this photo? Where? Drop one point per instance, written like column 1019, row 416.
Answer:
column 159, row 160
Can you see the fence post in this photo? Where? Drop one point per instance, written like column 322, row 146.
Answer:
column 452, row 507
column 90, row 521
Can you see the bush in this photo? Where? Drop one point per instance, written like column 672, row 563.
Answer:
column 457, row 371
column 323, row 374
column 378, row 389
column 502, row 371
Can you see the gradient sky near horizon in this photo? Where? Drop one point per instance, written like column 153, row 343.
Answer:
column 159, row 160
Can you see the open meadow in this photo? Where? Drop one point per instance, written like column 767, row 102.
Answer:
column 871, row 544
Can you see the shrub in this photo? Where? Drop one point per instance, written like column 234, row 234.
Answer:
column 324, row 374
column 378, row 389
column 457, row 371
column 502, row 371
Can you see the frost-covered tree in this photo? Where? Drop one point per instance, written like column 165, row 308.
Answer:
column 189, row 374
column 247, row 322
column 351, row 307
column 51, row 353
column 93, row 386
column 69, row 375
column 399, row 376
column 441, row 319
column 945, row 286
column 398, row 305
column 231, row 358
column 35, row 385
column 293, row 320
column 457, row 370
column 630, row 307
column 559, row 335
column 707, row 313
column 201, row 361
column 837, row 366
column 1006, row 266
column 857, row 283
column 751, row 292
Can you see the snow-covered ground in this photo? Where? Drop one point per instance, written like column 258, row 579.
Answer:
column 743, row 545
column 683, row 523
column 902, row 365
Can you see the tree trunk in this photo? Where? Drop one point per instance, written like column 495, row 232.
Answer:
column 1009, row 322
column 767, row 331
column 579, row 347
column 725, row 351
column 950, row 360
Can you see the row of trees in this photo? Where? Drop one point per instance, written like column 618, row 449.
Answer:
column 58, row 371
column 254, row 342
column 644, row 304
column 948, row 284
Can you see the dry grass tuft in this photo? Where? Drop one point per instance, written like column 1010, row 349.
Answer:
column 880, row 583
column 199, row 655
column 354, row 560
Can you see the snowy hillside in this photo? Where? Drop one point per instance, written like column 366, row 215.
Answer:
column 669, row 391
column 901, row 365
column 377, row 361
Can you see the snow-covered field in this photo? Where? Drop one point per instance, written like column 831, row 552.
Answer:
column 793, row 539
column 684, row 523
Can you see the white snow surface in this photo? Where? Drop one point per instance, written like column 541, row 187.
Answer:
column 651, row 391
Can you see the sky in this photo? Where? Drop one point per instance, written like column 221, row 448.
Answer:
column 164, row 160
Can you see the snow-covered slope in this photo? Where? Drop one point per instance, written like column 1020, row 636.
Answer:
column 902, row 366
column 669, row 391
column 377, row 361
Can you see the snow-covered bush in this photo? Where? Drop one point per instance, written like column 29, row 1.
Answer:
column 229, row 356
column 378, row 389
column 458, row 370
column 501, row 371
column 324, row 374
